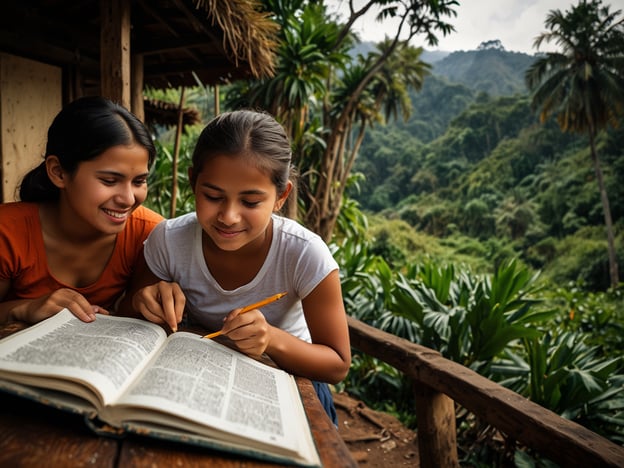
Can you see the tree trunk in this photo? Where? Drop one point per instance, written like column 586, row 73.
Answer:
column 176, row 152
column 613, row 266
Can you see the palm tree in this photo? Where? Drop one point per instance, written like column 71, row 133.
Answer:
column 326, row 100
column 583, row 84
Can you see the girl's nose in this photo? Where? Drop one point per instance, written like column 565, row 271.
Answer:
column 126, row 195
column 228, row 214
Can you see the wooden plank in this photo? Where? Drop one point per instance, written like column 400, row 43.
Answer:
column 32, row 434
column 147, row 453
column 559, row 439
column 30, row 97
column 332, row 449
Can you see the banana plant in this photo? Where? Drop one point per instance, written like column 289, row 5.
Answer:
column 574, row 380
column 470, row 319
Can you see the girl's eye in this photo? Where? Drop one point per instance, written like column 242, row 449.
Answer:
column 211, row 197
column 140, row 182
column 251, row 204
column 108, row 181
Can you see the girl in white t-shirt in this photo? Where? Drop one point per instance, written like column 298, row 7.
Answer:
column 235, row 250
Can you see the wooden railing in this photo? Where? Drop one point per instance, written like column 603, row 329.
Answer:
column 439, row 382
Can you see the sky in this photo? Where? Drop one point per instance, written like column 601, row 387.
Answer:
column 515, row 23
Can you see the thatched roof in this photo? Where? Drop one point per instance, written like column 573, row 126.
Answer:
column 180, row 41
column 249, row 35
column 164, row 113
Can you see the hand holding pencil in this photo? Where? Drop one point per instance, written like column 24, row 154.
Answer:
column 249, row 307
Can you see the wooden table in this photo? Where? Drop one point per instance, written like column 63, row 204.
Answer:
column 32, row 434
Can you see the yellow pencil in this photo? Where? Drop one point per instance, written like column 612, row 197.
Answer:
column 257, row 305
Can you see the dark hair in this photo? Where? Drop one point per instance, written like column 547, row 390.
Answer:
column 81, row 131
column 254, row 135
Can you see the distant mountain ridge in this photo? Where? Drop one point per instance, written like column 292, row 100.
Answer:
column 496, row 72
column 490, row 68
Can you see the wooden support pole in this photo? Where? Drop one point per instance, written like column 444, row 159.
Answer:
column 137, row 99
column 115, row 51
column 437, row 440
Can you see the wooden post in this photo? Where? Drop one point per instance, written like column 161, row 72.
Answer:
column 136, row 90
column 437, row 440
column 115, row 51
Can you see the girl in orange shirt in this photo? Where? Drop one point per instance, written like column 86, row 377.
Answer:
column 74, row 239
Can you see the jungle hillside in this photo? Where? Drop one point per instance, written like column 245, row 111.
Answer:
column 473, row 176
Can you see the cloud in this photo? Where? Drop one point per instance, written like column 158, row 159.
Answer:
column 515, row 23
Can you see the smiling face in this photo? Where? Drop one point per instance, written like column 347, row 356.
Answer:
column 234, row 202
column 102, row 193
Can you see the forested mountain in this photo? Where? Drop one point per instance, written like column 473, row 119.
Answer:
column 480, row 167
column 489, row 68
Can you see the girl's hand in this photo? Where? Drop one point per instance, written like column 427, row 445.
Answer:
column 250, row 331
column 161, row 303
column 47, row 306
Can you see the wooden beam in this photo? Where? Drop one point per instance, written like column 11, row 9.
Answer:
column 115, row 51
column 563, row 441
column 154, row 46
column 146, row 6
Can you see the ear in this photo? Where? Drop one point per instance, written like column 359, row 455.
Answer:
column 55, row 171
column 284, row 195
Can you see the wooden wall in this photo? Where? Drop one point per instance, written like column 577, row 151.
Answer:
column 30, row 97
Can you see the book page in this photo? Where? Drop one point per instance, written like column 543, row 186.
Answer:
column 105, row 354
column 212, row 390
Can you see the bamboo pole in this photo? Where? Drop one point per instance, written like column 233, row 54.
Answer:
column 176, row 152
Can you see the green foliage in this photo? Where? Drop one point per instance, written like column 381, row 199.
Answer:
column 468, row 319
column 566, row 373
column 582, row 259
column 525, row 197
column 581, row 83
column 598, row 316
column 561, row 348
column 160, row 181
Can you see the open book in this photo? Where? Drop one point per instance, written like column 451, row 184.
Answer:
column 127, row 374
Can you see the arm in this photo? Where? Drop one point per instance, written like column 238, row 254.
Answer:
column 36, row 310
column 327, row 358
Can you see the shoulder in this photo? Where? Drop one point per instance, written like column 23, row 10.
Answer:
column 290, row 228
column 146, row 216
column 19, row 228
column 17, row 216
column 18, row 210
column 182, row 222
column 174, row 228
column 142, row 221
column 296, row 238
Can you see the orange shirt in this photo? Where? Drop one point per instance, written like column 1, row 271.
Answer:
column 23, row 257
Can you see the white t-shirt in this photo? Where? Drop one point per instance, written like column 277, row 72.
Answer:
column 298, row 260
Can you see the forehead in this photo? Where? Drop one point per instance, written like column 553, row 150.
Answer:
column 132, row 158
column 224, row 171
